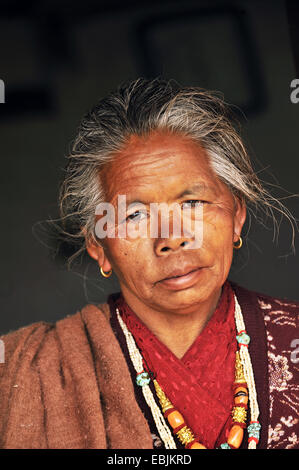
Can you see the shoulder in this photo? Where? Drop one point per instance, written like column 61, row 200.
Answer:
column 28, row 343
column 280, row 315
column 273, row 303
column 23, row 342
column 41, row 363
column 269, row 305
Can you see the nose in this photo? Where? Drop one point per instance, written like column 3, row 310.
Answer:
column 165, row 246
column 172, row 236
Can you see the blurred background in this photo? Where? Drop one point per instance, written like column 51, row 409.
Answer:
column 58, row 58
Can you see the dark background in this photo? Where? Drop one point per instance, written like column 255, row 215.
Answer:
column 59, row 57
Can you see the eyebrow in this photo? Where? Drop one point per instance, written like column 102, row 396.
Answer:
column 196, row 187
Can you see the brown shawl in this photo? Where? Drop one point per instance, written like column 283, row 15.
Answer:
column 50, row 387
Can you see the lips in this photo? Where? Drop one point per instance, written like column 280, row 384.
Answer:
column 182, row 278
column 180, row 272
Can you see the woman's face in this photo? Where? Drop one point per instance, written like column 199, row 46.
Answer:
column 164, row 273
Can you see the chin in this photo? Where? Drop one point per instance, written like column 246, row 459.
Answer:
column 186, row 300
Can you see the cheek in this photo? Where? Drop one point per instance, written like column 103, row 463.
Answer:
column 118, row 253
column 128, row 257
column 218, row 240
column 218, row 228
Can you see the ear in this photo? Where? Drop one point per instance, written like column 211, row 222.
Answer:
column 239, row 217
column 96, row 251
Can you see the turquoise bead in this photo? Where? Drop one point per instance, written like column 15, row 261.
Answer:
column 143, row 379
column 243, row 338
column 225, row 446
column 254, row 430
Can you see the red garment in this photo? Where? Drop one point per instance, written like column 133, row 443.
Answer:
column 200, row 383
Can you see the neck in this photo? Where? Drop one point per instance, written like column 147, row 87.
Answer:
column 176, row 331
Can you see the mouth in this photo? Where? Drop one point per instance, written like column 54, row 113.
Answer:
column 182, row 279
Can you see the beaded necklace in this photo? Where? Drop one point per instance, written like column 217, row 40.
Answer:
column 244, row 390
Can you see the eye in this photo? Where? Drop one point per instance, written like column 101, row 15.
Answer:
column 192, row 203
column 136, row 216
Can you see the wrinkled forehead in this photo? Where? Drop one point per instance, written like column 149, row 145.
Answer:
column 159, row 166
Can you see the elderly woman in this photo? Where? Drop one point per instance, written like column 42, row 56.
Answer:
column 181, row 357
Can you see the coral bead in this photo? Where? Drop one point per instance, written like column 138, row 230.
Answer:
column 175, row 419
column 197, row 445
column 241, row 396
column 235, row 436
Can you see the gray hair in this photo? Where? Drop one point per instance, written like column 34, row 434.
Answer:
column 141, row 107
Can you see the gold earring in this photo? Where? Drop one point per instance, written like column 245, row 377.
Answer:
column 237, row 247
column 108, row 274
